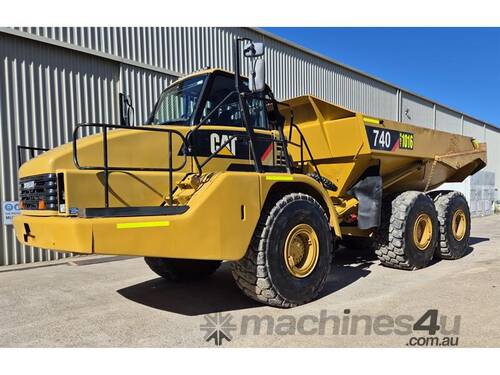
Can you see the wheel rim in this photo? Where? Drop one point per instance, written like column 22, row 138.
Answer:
column 458, row 225
column 422, row 231
column 301, row 251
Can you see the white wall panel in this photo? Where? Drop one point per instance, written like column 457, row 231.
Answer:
column 416, row 111
column 493, row 141
column 448, row 121
column 473, row 128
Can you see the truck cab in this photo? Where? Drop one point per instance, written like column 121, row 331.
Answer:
column 202, row 106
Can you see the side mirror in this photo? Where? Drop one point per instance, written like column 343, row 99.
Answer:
column 257, row 81
column 254, row 50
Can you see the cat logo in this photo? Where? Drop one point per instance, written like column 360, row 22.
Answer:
column 216, row 140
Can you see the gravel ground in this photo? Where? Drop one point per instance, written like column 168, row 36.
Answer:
column 119, row 302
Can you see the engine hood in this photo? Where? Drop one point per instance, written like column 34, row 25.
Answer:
column 126, row 148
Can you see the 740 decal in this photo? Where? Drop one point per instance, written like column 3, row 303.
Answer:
column 388, row 139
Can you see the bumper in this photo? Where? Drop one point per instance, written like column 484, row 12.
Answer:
column 212, row 228
column 52, row 232
column 154, row 236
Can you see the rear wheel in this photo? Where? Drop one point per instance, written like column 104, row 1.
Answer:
column 182, row 269
column 407, row 238
column 454, row 225
column 289, row 257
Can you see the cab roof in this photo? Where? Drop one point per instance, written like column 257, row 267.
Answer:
column 202, row 72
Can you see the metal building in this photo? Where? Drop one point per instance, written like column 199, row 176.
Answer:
column 54, row 77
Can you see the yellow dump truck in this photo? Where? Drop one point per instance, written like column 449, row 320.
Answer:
column 222, row 171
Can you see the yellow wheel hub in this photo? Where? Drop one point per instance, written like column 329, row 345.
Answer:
column 422, row 231
column 458, row 225
column 301, row 250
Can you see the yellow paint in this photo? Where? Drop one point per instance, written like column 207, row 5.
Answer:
column 225, row 151
column 422, row 231
column 459, row 224
column 213, row 219
column 300, row 180
column 145, row 224
column 371, row 120
column 279, row 178
column 53, row 232
column 301, row 251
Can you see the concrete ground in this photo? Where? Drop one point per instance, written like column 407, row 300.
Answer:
column 119, row 302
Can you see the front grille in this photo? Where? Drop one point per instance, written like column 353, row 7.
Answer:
column 36, row 189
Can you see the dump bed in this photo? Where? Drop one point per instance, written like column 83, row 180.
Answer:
column 347, row 146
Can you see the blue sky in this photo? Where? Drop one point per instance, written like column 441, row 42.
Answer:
column 458, row 67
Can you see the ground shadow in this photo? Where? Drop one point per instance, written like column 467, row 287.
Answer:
column 219, row 293
column 349, row 265
column 472, row 241
column 476, row 240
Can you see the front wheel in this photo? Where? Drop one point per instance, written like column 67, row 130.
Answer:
column 289, row 257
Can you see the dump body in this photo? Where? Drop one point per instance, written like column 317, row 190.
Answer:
column 347, row 146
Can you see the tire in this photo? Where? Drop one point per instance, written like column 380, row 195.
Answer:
column 263, row 273
column 358, row 243
column 397, row 246
column 182, row 269
column 453, row 210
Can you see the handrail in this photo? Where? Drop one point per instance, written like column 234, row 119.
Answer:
column 106, row 168
column 194, row 129
column 32, row 152
column 303, row 142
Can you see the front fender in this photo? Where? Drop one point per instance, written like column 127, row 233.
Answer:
column 288, row 183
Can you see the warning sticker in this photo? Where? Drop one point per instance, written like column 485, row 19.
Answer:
column 9, row 210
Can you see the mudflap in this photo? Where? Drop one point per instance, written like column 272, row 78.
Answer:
column 368, row 192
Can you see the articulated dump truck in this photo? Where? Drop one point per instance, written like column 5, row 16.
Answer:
column 222, row 171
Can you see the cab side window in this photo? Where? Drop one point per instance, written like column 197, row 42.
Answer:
column 229, row 112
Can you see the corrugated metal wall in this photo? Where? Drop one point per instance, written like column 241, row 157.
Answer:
column 44, row 91
column 54, row 77
column 144, row 87
column 290, row 72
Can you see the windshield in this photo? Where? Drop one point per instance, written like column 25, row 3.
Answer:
column 178, row 102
